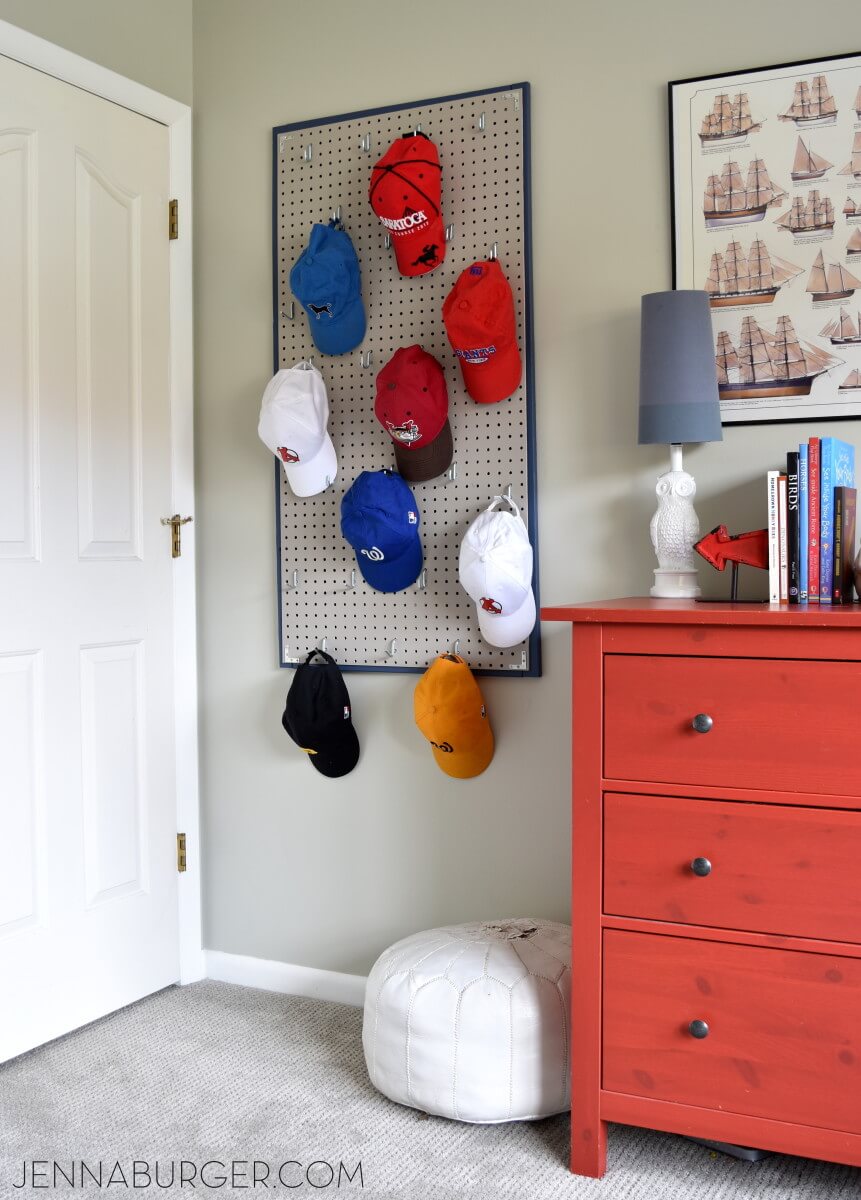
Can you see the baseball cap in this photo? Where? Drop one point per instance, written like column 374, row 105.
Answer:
column 496, row 569
column 325, row 280
column 406, row 194
column 479, row 320
column 318, row 716
column 293, row 418
column 450, row 712
column 412, row 407
column 380, row 520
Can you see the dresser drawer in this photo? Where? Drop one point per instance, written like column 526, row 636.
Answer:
column 782, row 1028
column 774, row 724
column 768, row 868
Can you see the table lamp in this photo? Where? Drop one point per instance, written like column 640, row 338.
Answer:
column 678, row 403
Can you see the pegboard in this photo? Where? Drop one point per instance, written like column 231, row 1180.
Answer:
column 325, row 165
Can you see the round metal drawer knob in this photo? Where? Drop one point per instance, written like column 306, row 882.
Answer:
column 701, row 867
column 702, row 723
column 698, row 1029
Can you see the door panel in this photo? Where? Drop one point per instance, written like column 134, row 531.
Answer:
column 88, row 895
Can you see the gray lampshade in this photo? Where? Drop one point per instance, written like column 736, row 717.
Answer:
column 678, row 378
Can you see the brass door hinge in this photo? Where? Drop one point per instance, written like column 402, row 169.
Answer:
column 173, row 220
column 181, row 864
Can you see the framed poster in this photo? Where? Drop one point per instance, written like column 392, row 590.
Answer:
column 766, row 211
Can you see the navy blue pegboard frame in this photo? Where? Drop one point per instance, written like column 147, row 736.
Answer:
column 534, row 668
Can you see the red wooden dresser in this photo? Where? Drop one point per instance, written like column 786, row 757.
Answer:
column 716, row 907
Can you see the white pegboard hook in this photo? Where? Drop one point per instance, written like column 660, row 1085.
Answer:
column 456, row 648
column 323, row 645
column 494, row 252
column 336, row 215
column 481, row 123
column 392, row 648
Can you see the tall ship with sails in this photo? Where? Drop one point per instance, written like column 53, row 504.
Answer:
column 808, row 165
column 853, row 167
column 851, row 210
column 768, row 364
column 853, row 246
column 812, row 104
column 752, row 278
column 814, row 215
column 729, row 121
column 842, row 330
column 729, row 201
column 852, row 382
column 830, row 281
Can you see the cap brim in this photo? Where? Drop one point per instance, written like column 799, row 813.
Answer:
column 340, row 757
column 313, row 477
column 412, row 248
column 495, row 380
column 511, row 629
column 466, row 764
column 341, row 334
column 394, row 574
column 426, row 462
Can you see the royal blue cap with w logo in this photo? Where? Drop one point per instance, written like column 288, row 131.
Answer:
column 326, row 281
column 380, row 520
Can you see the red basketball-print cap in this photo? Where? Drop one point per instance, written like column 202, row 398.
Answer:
column 406, row 194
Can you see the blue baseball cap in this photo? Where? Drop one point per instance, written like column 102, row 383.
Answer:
column 325, row 280
column 380, row 520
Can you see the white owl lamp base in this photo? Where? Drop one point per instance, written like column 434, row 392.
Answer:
column 674, row 529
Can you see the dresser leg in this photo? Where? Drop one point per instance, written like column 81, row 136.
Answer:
column 589, row 1149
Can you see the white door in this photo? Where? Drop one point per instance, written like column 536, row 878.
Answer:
column 88, row 892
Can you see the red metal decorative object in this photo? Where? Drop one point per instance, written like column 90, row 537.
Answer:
column 720, row 547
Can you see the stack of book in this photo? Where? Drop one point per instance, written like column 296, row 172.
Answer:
column 811, row 525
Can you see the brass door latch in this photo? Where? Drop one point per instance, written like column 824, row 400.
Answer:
column 176, row 522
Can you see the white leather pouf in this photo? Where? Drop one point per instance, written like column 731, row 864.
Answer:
column 471, row 1021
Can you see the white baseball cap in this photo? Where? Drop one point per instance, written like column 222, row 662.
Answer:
column 293, row 419
column 496, row 569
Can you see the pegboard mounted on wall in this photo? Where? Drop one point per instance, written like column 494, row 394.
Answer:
column 321, row 167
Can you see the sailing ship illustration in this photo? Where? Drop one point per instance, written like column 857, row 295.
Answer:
column 853, row 246
column 830, row 281
column 752, row 278
column 853, row 167
column 729, row 201
column 851, row 382
column 842, row 330
column 812, row 104
column 813, row 215
column 768, row 364
column 729, row 121
column 808, row 165
column 851, row 210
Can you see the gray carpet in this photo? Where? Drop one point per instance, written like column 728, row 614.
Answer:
column 220, row 1072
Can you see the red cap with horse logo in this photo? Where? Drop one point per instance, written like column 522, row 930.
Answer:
column 412, row 407
column 406, row 194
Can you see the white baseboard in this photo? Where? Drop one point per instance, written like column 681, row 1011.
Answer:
column 289, row 978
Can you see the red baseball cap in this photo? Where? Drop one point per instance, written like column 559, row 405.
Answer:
column 479, row 320
column 412, row 407
column 406, row 194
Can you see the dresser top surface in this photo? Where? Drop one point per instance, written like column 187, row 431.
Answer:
column 642, row 610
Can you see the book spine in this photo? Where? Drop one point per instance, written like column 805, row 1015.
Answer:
column 826, row 520
column 773, row 539
column 813, row 520
column 803, row 522
column 781, row 519
column 792, row 555
column 837, row 564
column 850, row 504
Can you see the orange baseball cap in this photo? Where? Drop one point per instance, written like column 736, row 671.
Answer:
column 450, row 712
column 481, row 326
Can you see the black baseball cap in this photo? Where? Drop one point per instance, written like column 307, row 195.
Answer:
column 318, row 716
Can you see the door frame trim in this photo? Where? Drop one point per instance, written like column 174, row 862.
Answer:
column 62, row 64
